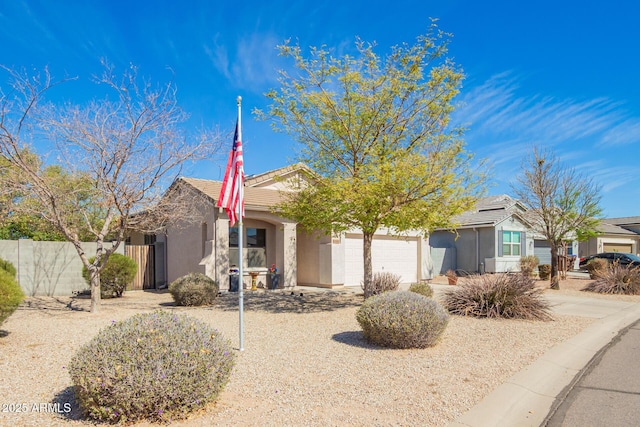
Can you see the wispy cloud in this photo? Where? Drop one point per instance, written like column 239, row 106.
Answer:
column 495, row 107
column 251, row 63
column 590, row 135
column 624, row 133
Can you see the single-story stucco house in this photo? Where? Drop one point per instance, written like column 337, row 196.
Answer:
column 302, row 258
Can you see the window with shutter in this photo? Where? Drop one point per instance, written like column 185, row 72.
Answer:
column 511, row 243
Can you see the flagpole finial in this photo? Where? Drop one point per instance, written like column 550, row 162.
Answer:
column 239, row 99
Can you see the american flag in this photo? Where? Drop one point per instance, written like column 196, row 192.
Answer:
column 230, row 194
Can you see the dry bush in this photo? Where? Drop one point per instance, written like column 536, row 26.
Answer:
column 597, row 267
column 194, row 289
column 528, row 264
column 616, row 279
column 544, row 271
column 498, row 295
column 381, row 282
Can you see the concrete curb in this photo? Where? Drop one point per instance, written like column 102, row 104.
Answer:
column 526, row 398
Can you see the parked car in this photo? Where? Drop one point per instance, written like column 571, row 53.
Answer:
column 622, row 258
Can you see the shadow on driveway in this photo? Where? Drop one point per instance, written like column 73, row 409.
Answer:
column 289, row 301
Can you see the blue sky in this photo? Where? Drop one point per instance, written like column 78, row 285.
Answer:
column 561, row 74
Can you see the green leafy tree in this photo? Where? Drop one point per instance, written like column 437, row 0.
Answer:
column 117, row 274
column 22, row 213
column 113, row 159
column 376, row 131
column 564, row 205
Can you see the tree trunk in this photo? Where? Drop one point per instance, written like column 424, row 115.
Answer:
column 94, row 276
column 368, row 269
column 554, row 277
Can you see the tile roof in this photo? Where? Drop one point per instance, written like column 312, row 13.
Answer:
column 607, row 228
column 627, row 220
column 489, row 211
column 253, row 197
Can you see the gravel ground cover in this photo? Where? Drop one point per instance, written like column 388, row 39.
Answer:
column 304, row 362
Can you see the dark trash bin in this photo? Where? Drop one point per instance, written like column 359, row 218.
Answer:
column 234, row 280
column 275, row 281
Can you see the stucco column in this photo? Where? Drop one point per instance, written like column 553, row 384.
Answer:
column 425, row 264
column 221, row 253
column 286, row 253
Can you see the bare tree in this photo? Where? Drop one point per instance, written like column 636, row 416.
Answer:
column 564, row 205
column 115, row 155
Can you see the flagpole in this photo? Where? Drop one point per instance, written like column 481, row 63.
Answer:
column 240, row 243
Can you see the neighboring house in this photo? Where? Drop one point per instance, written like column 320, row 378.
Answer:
column 490, row 238
column 616, row 235
column 210, row 246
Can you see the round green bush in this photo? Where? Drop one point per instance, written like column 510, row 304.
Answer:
column 422, row 289
column 155, row 366
column 8, row 267
column 11, row 294
column 194, row 289
column 119, row 271
column 402, row 319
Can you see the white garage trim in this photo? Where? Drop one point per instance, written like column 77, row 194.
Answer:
column 398, row 255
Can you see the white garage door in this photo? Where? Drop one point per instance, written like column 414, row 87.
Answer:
column 395, row 255
column 542, row 249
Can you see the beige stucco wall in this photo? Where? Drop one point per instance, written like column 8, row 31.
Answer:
column 187, row 243
column 204, row 247
column 184, row 251
column 48, row 268
column 320, row 262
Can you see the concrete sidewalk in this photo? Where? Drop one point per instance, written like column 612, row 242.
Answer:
column 527, row 398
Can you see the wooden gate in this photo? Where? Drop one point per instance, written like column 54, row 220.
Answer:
column 143, row 255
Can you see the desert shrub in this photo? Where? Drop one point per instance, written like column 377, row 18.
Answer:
column 544, row 271
column 10, row 294
column 402, row 320
column 422, row 289
column 597, row 267
column 119, row 271
column 498, row 295
column 381, row 282
column 194, row 289
column 156, row 366
column 528, row 264
column 8, row 267
column 616, row 279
